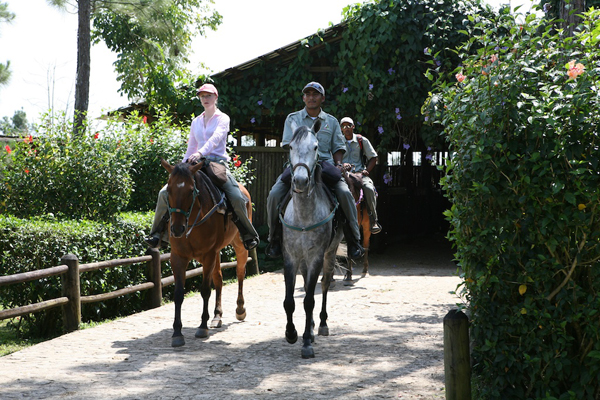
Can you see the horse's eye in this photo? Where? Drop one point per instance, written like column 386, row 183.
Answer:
column 316, row 147
column 290, row 147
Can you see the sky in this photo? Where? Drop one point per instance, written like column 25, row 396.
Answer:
column 41, row 45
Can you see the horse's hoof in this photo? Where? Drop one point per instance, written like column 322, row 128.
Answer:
column 240, row 316
column 348, row 282
column 291, row 337
column 216, row 323
column 308, row 352
column 323, row 331
column 177, row 341
column 365, row 274
column 201, row 333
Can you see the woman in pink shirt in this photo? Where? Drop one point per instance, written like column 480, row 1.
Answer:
column 207, row 141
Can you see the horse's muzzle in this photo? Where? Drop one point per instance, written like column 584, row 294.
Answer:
column 177, row 231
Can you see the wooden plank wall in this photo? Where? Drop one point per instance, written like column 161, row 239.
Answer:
column 267, row 163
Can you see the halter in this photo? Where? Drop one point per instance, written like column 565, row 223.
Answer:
column 195, row 195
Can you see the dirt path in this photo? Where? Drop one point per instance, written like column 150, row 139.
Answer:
column 385, row 342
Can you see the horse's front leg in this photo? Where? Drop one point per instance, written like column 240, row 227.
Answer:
column 208, row 266
column 217, row 277
column 289, row 305
column 179, row 265
column 310, row 283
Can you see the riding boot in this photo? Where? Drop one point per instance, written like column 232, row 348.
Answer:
column 249, row 244
column 273, row 249
column 154, row 239
column 355, row 250
column 375, row 227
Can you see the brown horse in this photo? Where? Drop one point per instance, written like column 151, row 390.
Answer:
column 354, row 181
column 198, row 232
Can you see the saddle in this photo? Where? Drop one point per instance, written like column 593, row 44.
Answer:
column 355, row 184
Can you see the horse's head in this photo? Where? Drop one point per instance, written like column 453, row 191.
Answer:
column 182, row 192
column 304, row 154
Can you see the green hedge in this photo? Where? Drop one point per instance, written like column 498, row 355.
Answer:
column 523, row 118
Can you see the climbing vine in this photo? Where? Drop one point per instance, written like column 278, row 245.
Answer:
column 375, row 73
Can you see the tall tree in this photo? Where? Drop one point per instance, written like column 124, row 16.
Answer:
column 152, row 40
column 5, row 16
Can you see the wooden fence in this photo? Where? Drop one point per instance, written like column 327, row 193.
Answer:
column 71, row 299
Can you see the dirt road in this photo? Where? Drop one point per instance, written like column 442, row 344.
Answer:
column 385, row 342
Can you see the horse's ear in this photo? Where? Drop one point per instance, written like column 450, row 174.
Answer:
column 166, row 165
column 316, row 126
column 195, row 168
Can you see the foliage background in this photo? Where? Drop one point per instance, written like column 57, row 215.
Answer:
column 524, row 183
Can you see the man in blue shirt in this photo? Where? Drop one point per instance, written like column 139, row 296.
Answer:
column 331, row 150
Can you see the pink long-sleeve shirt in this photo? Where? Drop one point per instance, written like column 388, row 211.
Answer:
column 210, row 140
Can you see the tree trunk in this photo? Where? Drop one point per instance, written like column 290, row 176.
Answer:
column 569, row 11
column 82, row 85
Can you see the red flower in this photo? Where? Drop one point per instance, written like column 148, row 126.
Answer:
column 145, row 119
column 96, row 135
column 28, row 139
column 8, row 149
column 151, row 140
column 26, row 171
column 237, row 163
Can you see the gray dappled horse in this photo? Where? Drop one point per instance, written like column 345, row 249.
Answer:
column 309, row 242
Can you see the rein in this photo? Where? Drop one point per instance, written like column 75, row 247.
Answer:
column 195, row 195
column 311, row 227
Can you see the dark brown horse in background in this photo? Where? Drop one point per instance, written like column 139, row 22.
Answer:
column 355, row 184
column 198, row 231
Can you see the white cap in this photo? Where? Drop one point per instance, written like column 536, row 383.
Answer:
column 348, row 120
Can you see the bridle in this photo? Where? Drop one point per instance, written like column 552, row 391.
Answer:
column 312, row 185
column 195, row 195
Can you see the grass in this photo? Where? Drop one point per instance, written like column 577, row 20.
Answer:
column 10, row 342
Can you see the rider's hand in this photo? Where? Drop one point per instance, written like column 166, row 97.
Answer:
column 195, row 158
column 365, row 172
column 347, row 167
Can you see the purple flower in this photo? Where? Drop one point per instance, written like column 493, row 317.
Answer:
column 428, row 148
column 253, row 120
column 428, row 157
column 426, row 50
column 260, row 102
column 391, row 71
column 397, row 110
column 380, row 129
column 406, row 146
column 387, row 178
column 426, row 118
column 370, row 86
column 398, row 116
column 438, row 62
column 345, row 89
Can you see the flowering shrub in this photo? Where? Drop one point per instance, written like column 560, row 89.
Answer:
column 83, row 177
column 523, row 119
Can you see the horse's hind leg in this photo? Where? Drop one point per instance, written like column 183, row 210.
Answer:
column 289, row 273
column 218, row 284
column 325, row 282
column 242, row 256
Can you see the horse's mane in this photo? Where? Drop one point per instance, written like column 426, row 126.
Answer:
column 300, row 134
column 182, row 169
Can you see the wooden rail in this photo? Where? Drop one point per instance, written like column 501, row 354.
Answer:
column 71, row 299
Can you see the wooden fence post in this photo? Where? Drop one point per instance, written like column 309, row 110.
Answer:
column 254, row 269
column 153, row 270
column 457, row 358
column 71, row 289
